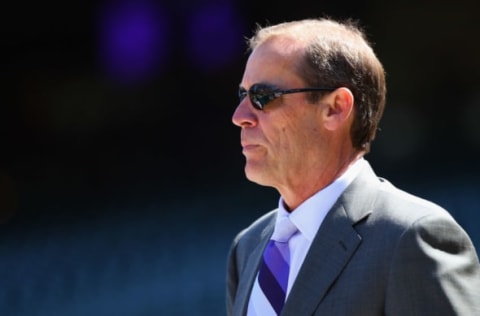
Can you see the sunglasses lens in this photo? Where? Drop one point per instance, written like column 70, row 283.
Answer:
column 261, row 95
column 256, row 100
column 264, row 98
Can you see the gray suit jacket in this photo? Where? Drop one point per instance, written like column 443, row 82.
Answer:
column 379, row 251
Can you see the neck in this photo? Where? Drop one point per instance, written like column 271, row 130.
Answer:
column 313, row 181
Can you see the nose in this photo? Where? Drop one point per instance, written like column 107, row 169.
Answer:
column 244, row 115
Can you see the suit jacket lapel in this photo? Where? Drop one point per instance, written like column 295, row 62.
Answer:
column 335, row 243
column 250, row 272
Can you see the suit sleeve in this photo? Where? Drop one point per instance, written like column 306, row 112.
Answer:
column 434, row 271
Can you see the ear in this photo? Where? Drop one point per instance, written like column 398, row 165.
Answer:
column 339, row 109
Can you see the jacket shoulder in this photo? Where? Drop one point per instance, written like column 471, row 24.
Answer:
column 404, row 206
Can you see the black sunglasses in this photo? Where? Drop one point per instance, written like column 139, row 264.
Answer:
column 261, row 94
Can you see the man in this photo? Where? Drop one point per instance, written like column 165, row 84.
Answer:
column 312, row 95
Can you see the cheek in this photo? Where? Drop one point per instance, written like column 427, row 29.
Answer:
column 290, row 133
column 293, row 141
column 305, row 137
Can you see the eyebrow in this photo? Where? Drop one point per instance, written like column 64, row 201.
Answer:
column 260, row 83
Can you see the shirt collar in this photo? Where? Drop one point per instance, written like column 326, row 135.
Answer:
column 310, row 214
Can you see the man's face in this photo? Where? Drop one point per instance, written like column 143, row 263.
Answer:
column 285, row 141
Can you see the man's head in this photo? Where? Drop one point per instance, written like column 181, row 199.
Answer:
column 337, row 55
column 306, row 138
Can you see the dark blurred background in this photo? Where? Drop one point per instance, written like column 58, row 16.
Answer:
column 121, row 175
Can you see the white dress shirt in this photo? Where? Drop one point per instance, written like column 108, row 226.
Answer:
column 307, row 218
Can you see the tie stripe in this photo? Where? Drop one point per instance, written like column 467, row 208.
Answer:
column 273, row 274
column 276, row 263
column 270, row 288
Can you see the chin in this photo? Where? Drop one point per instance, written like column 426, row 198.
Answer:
column 256, row 174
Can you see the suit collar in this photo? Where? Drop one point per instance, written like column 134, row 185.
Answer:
column 335, row 243
column 309, row 215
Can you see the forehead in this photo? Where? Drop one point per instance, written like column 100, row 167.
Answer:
column 274, row 61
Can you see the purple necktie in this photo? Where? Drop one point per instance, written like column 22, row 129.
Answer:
column 275, row 266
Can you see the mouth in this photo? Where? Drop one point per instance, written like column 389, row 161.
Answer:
column 249, row 148
column 246, row 144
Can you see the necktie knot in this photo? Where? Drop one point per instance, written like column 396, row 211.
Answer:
column 284, row 230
